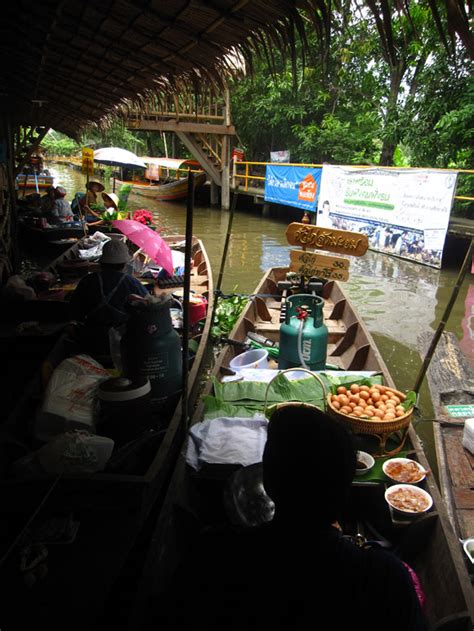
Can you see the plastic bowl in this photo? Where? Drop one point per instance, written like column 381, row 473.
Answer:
column 412, row 490
column 403, row 461
column 256, row 358
column 367, row 459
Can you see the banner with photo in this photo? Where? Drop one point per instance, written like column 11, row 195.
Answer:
column 292, row 186
column 405, row 213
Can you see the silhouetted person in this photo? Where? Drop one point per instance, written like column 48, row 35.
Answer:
column 299, row 571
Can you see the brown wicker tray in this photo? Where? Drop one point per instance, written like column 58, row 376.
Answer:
column 380, row 429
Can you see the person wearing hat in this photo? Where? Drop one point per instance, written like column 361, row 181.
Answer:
column 89, row 200
column 99, row 300
column 61, row 210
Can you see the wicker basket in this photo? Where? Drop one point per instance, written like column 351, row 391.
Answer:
column 380, row 429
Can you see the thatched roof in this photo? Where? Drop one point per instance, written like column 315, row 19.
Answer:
column 65, row 64
column 68, row 63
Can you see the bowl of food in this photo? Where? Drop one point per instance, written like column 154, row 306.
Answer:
column 364, row 463
column 408, row 500
column 404, row 470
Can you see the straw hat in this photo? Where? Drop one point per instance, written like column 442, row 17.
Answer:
column 110, row 199
column 97, row 183
column 114, row 252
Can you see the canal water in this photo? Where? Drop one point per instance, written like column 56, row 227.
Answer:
column 397, row 299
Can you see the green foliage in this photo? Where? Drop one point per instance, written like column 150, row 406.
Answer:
column 57, row 144
column 227, row 313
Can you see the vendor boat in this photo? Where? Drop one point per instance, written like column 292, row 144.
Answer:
column 160, row 183
column 451, row 384
column 109, row 510
column 429, row 543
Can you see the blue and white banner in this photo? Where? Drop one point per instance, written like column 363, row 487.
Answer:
column 293, row 186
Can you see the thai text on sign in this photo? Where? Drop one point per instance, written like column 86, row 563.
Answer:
column 312, row 264
column 339, row 241
column 88, row 161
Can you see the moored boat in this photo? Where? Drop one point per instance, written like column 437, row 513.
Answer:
column 110, row 507
column 429, row 542
column 160, row 183
column 451, row 384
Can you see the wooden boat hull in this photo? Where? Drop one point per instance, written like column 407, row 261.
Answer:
column 451, row 382
column 165, row 192
column 434, row 553
column 134, row 490
column 27, row 184
column 112, row 508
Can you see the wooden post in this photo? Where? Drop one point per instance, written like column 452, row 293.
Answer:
column 214, row 193
column 186, row 294
column 225, row 186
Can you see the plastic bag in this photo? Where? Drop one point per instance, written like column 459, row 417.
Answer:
column 70, row 400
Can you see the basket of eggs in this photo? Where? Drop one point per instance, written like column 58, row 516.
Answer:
column 377, row 410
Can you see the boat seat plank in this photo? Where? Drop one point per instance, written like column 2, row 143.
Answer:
column 458, row 459
column 463, row 498
column 466, row 523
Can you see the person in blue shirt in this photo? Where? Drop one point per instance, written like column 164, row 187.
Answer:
column 99, row 301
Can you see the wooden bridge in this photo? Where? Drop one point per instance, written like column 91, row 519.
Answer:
column 202, row 122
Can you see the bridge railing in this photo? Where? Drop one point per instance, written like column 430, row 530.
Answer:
column 250, row 176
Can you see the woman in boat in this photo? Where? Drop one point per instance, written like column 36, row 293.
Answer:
column 99, row 301
column 61, row 211
column 299, row 571
column 90, row 200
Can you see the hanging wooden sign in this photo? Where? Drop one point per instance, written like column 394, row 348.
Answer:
column 340, row 241
column 312, row 264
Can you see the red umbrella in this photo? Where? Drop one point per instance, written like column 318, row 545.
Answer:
column 148, row 240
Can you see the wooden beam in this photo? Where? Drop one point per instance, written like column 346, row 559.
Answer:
column 185, row 128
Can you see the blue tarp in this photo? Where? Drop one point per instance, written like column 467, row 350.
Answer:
column 293, row 186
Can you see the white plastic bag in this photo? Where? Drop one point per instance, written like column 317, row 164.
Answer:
column 75, row 452
column 70, row 400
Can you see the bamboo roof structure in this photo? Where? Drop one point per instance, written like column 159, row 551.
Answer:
column 68, row 64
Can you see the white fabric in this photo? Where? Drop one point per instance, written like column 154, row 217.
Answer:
column 226, row 441
column 468, row 435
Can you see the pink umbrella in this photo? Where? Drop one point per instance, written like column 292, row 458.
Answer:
column 148, row 240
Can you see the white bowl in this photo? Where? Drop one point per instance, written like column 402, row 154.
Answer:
column 256, row 358
column 367, row 459
column 412, row 489
column 403, row 461
column 468, row 547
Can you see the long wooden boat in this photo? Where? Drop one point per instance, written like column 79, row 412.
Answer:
column 435, row 553
column 111, row 507
column 170, row 191
column 29, row 183
column 162, row 180
column 451, row 384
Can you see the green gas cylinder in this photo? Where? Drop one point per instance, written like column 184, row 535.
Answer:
column 150, row 347
column 303, row 335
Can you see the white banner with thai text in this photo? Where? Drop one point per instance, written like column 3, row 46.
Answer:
column 404, row 213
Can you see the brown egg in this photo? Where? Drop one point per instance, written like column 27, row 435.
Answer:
column 358, row 409
column 399, row 412
column 364, row 388
column 389, row 416
column 336, row 405
column 363, row 394
column 379, row 413
column 354, row 397
column 343, row 399
column 376, row 395
column 384, row 397
column 341, row 390
column 346, row 409
column 354, row 388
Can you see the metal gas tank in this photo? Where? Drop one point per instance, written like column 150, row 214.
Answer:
column 303, row 335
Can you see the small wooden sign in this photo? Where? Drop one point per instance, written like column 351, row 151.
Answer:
column 88, row 160
column 339, row 241
column 313, row 264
